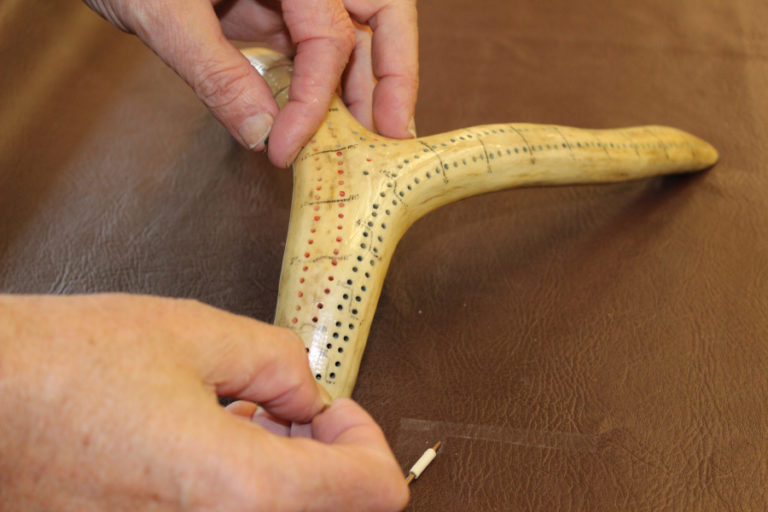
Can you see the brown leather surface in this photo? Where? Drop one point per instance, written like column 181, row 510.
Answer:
column 589, row 348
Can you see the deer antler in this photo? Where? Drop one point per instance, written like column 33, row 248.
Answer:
column 355, row 193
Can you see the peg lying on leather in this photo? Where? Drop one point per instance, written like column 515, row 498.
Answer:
column 355, row 193
column 425, row 460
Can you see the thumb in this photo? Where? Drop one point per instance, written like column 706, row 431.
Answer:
column 187, row 36
column 250, row 360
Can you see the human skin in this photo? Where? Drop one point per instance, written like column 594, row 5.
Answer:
column 109, row 402
column 369, row 47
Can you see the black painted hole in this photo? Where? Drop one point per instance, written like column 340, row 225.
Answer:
column 318, row 376
column 329, row 346
column 337, row 364
column 336, row 335
column 354, row 269
column 332, row 375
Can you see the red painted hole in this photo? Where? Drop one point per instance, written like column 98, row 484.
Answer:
column 334, row 262
column 340, row 163
column 342, row 193
column 339, row 153
column 335, row 251
column 341, row 182
column 310, row 241
column 327, row 291
column 298, row 308
column 317, row 198
column 294, row 320
column 319, row 188
column 301, row 294
column 312, row 230
column 341, row 215
column 317, row 207
column 338, row 227
column 317, row 218
column 319, row 305
column 330, row 278
column 306, row 255
column 314, row 319
column 340, row 171
column 367, row 159
column 341, row 205
column 338, row 239
column 305, row 268
column 301, row 280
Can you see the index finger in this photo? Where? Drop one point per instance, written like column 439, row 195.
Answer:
column 324, row 38
column 351, row 468
column 395, row 61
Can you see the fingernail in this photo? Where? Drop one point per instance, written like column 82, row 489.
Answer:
column 412, row 127
column 325, row 397
column 255, row 130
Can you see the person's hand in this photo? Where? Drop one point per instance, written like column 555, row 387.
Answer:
column 363, row 40
column 109, row 403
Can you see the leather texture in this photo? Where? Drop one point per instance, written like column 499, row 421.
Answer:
column 579, row 348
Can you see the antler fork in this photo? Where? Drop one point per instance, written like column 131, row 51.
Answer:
column 355, row 193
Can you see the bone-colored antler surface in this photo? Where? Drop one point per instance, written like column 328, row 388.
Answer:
column 355, row 193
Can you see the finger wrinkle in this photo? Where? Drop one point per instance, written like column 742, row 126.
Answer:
column 220, row 86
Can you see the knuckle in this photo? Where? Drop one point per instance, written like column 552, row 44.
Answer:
column 219, row 86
